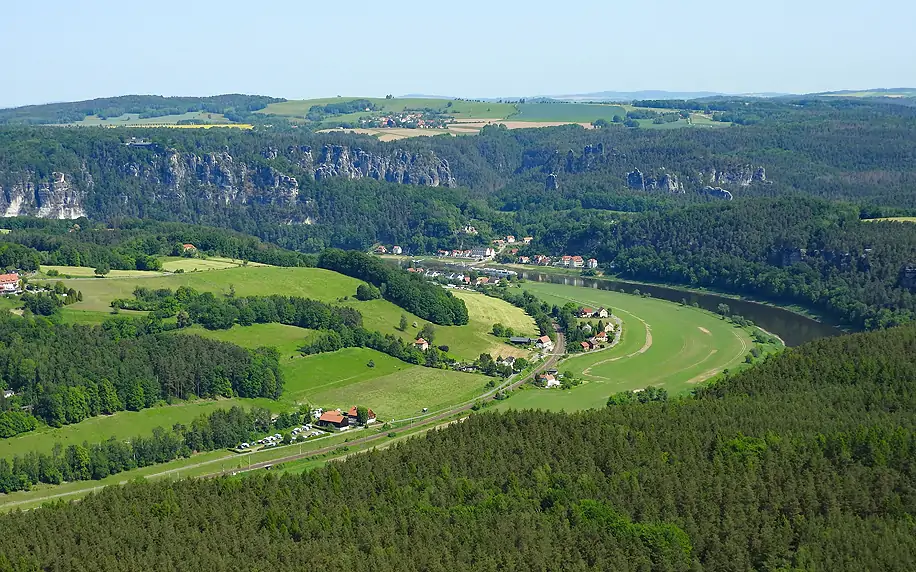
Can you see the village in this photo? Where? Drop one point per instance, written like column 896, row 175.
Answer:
column 499, row 246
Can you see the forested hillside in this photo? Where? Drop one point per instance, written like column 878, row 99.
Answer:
column 804, row 462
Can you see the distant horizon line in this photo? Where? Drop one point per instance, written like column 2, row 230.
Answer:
column 684, row 94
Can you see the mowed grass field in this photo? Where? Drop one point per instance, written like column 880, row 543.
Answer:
column 121, row 425
column 568, row 112
column 465, row 342
column 664, row 345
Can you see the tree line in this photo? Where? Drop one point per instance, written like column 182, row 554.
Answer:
column 223, row 428
column 64, row 374
column 405, row 289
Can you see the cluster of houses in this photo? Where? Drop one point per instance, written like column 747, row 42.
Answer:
column 549, row 379
column 501, row 242
column 478, row 253
column 542, row 343
column 561, row 261
column 493, row 278
column 340, row 421
column 381, row 249
column 9, row 283
column 409, row 120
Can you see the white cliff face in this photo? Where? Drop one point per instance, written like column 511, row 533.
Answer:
column 164, row 175
column 57, row 197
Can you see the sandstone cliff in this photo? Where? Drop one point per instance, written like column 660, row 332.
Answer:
column 163, row 175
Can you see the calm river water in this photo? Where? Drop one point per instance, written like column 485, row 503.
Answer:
column 793, row 328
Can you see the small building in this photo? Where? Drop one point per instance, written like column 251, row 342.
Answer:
column 544, row 342
column 566, row 261
column 528, row 239
column 7, row 393
column 520, row 340
column 333, row 420
column 549, row 380
column 592, row 263
column 482, row 252
column 9, row 283
column 421, row 344
column 396, row 249
column 188, row 247
column 600, row 337
column 351, row 416
column 602, row 313
column 381, row 249
column 509, row 361
column 577, row 262
column 585, row 346
column 510, row 239
column 524, row 260
column 586, row 312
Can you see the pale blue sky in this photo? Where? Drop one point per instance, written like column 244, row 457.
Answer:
column 64, row 50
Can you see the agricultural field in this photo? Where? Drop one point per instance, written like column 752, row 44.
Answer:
column 566, row 112
column 175, row 263
column 663, row 344
column 891, row 219
column 134, row 120
column 456, row 108
column 86, row 272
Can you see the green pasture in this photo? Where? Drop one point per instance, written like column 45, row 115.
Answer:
column 122, row 425
column 663, row 344
column 567, row 112
column 133, row 119
column 287, row 339
column 464, row 342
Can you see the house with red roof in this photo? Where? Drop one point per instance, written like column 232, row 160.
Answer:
column 188, row 246
column 351, row 415
column 544, row 343
column 333, row 420
column 421, row 344
column 586, row 312
column 9, row 283
column 577, row 262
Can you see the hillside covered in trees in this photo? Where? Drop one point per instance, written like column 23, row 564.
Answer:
column 804, row 462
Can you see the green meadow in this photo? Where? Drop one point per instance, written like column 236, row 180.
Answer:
column 664, row 344
column 567, row 112
column 465, row 342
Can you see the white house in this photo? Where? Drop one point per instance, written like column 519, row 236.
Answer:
column 544, row 343
column 602, row 313
column 550, row 381
column 9, row 283
column 592, row 263
column 482, row 252
column 396, row 249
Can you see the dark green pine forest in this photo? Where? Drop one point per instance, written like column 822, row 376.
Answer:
column 804, row 462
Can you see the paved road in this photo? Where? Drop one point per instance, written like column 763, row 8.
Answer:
column 550, row 362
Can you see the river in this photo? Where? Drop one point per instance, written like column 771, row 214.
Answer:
column 793, row 328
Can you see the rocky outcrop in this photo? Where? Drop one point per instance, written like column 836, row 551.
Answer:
column 718, row 193
column 425, row 169
column 552, row 184
column 636, row 180
column 908, row 276
column 58, row 196
column 742, row 176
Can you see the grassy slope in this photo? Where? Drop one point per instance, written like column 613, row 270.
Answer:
column 892, row 219
column 464, row 341
column 680, row 355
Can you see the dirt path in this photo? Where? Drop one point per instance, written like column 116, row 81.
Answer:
column 708, row 374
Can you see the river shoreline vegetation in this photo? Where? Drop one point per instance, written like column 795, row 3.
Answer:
column 231, row 280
